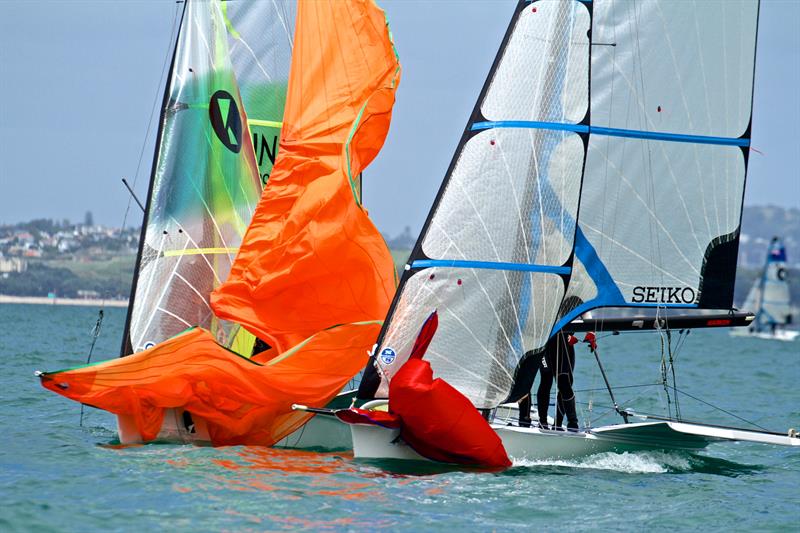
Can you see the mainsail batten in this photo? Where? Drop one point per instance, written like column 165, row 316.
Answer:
column 489, row 265
column 613, row 132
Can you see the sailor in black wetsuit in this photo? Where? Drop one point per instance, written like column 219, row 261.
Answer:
column 558, row 359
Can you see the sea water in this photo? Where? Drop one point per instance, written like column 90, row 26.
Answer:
column 58, row 476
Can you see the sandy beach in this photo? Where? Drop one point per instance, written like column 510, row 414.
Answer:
column 43, row 300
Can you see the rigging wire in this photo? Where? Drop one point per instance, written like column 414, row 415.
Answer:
column 620, row 387
column 664, row 381
column 674, row 381
column 153, row 108
column 723, row 410
column 676, row 391
column 94, row 333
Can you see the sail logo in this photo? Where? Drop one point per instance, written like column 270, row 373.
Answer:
column 225, row 119
column 387, row 356
column 663, row 295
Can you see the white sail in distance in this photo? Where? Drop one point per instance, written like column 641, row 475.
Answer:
column 769, row 297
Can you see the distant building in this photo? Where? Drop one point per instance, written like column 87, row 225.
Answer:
column 13, row 264
column 87, row 294
column 67, row 244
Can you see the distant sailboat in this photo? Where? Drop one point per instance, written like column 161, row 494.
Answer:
column 769, row 299
column 603, row 166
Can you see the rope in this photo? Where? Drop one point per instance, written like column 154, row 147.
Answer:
column 611, row 409
column 664, row 381
column 746, row 421
column 619, row 387
column 674, row 382
column 94, row 333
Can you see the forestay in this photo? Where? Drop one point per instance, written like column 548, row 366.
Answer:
column 653, row 170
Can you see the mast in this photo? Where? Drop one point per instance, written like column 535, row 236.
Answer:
column 762, row 286
column 127, row 347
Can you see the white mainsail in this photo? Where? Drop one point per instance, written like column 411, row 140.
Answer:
column 662, row 192
column 603, row 165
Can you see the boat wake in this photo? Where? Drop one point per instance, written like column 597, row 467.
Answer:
column 631, row 463
column 649, row 462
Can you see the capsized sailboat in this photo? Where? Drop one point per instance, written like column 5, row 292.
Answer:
column 603, row 166
column 770, row 300
column 312, row 276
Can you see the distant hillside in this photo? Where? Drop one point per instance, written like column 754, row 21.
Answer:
column 404, row 241
column 759, row 225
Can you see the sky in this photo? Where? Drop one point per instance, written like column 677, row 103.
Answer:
column 79, row 79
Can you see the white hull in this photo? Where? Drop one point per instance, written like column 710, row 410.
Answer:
column 786, row 335
column 374, row 442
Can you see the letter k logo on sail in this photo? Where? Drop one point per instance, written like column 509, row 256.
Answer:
column 224, row 115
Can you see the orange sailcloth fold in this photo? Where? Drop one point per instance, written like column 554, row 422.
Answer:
column 311, row 257
column 241, row 401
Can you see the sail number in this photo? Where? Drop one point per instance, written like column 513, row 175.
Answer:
column 266, row 149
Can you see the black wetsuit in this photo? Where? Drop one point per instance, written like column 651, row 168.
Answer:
column 558, row 359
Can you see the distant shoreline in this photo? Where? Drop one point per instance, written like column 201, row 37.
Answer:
column 43, row 300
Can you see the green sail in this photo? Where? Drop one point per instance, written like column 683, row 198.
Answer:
column 226, row 90
column 260, row 38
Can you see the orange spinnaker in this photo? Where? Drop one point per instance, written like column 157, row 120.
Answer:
column 311, row 257
column 243, row 402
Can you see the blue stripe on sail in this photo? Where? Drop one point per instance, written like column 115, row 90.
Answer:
column 608, row 294
column 579, row 128
column 489, row 265
column 612, row 132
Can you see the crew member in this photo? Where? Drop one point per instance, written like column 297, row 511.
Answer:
column 557, row 360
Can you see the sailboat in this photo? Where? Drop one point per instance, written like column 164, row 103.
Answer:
column 770, row 299
column 603, row 167
column 238, row 292
column 202, row 193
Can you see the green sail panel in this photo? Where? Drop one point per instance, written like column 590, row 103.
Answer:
column 204, row 189
column 260, row 37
